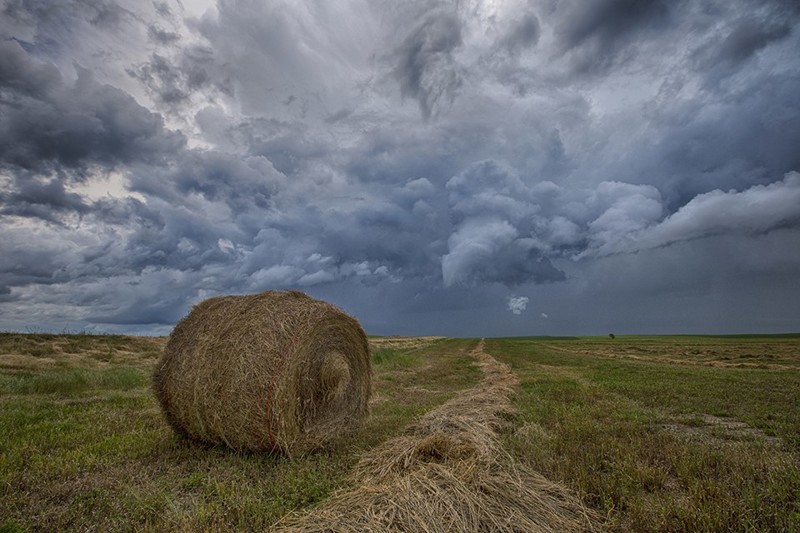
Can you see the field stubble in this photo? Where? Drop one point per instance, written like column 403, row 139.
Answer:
column 84, row 445
column 654, row 433
column 665, row 433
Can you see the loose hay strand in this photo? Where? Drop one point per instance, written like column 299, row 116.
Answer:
column 449, row 473
column 269, row 371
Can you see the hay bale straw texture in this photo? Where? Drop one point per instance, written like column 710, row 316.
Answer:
column 275, row 371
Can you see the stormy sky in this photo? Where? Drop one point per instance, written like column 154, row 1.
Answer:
column 452, row 167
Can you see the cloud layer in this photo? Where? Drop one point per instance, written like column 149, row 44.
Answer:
column 517, row 304
column 428, row 166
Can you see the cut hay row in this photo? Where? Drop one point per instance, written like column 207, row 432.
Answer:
column 772, row 356
column 401, row 343
column 448, row 473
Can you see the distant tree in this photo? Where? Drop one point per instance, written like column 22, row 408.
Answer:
column 612, row 335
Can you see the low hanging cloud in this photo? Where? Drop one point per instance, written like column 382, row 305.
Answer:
column 491, row 250
column 757, row 210
column 517, row 304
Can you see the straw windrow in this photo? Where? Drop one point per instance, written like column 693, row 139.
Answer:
column 270, row 371
column 450, row 473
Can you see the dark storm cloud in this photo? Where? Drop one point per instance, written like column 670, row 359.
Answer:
column 41, row 199
column 44, row 261
column 162, row 36
column 740, row 41
column 364, row 240
column 172, row 82
column 425, row 65
column 288, row 63
column 597, row 31
column 280, row 155
column 719, row 213
column 607, row 20
column 524, row 33
column 221, row 177
column 5, row 295
column 747, row 136
column 54, row 29
column 489, row 188
column 491, row 250
column 748, row 36
column 49, row 123
column 21, row 77
column 43, row 12
column 402, row 233
column 163, row 78
column 506, row 229
column 290, row 147
column 147, row 307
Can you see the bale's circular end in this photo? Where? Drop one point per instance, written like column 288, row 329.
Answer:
column 270, row 371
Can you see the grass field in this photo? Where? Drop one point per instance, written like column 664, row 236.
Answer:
column 665, row 433
column 655, row 433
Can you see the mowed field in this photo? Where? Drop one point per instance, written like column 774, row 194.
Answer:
column 652, row 433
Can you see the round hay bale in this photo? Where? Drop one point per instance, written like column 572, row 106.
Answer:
column 276, row 371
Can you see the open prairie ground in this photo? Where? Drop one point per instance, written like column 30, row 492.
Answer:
column 83, row 445
column 665, row 433
column 651, row 433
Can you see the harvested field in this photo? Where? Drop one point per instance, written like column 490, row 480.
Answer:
column 723, row 352
column 656, row 437
column 645, row 434
column 722, row 429
column 401, row 343
column 86, row 447
column 41, row 351
column 449, row 472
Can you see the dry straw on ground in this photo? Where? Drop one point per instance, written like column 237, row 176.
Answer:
column 449, row 473
column 270, row 371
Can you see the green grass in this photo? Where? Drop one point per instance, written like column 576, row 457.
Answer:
column 73, row 381
column 394, row 358
column 84, row 445
column 684, row 433
column 632, row 436
column 537, row 338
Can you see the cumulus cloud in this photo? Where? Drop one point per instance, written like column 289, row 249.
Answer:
column 491, row 250
column 759, row 209
column 51, row 124
column 517, row 304
column 425, row 65
column 622, row 209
